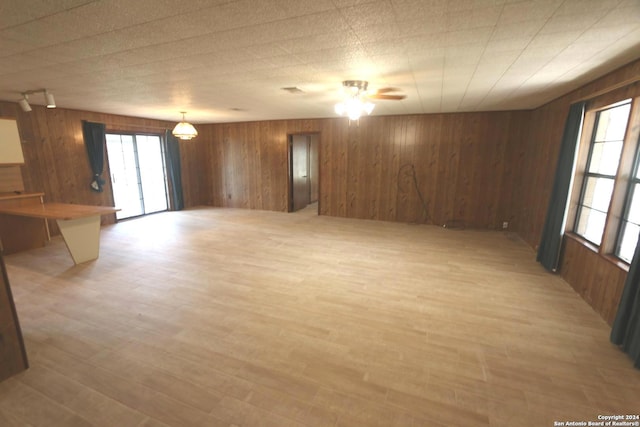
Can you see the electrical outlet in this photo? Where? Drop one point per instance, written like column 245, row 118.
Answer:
column 505, row 225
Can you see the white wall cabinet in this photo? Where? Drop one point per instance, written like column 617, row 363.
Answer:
column 10, row 148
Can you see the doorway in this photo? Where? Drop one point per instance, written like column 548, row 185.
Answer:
column 138, row 177
column 303, row 171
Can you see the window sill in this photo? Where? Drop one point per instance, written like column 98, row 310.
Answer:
column 596, row 249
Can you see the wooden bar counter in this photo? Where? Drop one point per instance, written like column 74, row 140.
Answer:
column 79, row 225
column 58, row 211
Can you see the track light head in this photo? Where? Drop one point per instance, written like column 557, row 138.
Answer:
column 24, row 103
column 51, row 102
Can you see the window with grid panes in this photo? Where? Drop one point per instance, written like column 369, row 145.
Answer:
column 630, row 223
column 600, row 175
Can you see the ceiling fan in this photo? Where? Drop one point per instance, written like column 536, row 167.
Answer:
column 359, row 88
column 357, row 99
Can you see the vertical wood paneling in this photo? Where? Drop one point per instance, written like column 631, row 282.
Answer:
column 429, row 170
column 217, row 172
column 249, row 196
column 339, row 161
column 11, row 179
column 328, row 167
column 410, row 165
column 598, row 281
column 253, row 134
column 374, row 165
column 354, row 167
column 464, row 146
column 407, row 210
column 447, row 168
column 366, row 175
column 280, row 162
column 196, row 186
column 264, row 183
column 366, row 168
column 403, row 167
column 388, row 172
column 514, row 162
column 208, row 166
column 481, row 171
column 248, row 164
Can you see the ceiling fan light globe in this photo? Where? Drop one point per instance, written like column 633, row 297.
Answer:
column 368, row 107
column 354, row 114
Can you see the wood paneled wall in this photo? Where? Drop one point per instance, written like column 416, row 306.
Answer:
column 597, row 279
column 366, row 170
column 11, row 179
column 248, row 162
column 56, row 161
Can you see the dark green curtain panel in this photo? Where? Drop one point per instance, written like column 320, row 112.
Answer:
column 94, row 141
column 172, row 160
column 626, row 327
column 551, row 239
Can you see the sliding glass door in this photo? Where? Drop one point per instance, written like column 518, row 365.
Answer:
column 138, row 175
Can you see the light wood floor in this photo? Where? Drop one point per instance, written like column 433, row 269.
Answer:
column 223, row 317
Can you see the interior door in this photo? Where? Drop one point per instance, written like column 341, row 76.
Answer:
column 300, row 182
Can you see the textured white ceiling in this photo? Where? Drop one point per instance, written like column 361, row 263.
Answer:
column 154, row 58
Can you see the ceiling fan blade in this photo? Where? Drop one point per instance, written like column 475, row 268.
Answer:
column 388, row 97
column 387, row 90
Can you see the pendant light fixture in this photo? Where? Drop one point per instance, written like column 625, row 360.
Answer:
column 184, row 130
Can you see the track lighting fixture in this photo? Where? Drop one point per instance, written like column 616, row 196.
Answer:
column 48, row 97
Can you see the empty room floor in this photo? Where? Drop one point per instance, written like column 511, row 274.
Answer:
column 228, row 317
